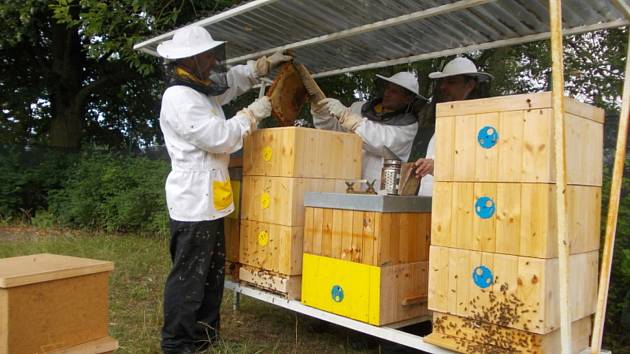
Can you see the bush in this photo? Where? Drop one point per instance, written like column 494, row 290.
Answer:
column 114, row 193
column 616, row 336
column 27, row 175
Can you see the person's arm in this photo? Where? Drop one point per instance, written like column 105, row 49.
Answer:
column 241, row 78
column 206, row 130
column 425, row 166
column 398, row 139
column 322, row 119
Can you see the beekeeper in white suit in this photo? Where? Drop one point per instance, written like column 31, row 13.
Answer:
column 459, row 80
column 387, row 121
column 199, row 141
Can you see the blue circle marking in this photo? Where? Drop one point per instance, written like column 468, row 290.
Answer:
column 482, row 276
column 484, row 207
column 337, row 293
column 487, row 137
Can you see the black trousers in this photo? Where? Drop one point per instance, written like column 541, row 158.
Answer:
column 194, row 287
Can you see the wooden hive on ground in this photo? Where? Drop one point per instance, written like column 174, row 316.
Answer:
column 279, row 166
column 51, row 303
column 493, row 259
column 366, row 256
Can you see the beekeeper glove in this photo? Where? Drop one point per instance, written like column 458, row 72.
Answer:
column 257, row 110
column 344, row 115
column 319, row 107
column 265, row 64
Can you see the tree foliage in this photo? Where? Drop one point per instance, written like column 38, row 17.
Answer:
column 69, row 72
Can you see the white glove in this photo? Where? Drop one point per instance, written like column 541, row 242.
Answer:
column 335, row 107
column 265, row 64
column 344, row 115
column 257, row 110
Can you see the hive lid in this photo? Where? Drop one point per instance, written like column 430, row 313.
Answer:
column 368, row 202
column 37, row 268
column 527, row 102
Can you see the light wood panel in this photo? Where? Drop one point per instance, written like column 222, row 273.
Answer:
column 523, row 293
column 368, row 237
column 302, row 152
column 524, row 220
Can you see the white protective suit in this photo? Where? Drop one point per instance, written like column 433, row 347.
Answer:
column 375, row 135
column 426, row 183
column 199, row 141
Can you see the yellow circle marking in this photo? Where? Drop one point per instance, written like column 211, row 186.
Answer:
column 265, row 200
column 267, row 153
column 263, row 238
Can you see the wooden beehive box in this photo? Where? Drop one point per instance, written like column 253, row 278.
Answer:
column 510, row 139
column 105, row 345
column 368, row 229
column 280, row 200
column 272, row 247
column 466, row 335
column 302, row 152
column 513, row 218
column 376, row 295
column 50, row 302
column 510, row 291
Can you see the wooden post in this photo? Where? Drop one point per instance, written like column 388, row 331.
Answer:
column 555, row 18
column 613, row 210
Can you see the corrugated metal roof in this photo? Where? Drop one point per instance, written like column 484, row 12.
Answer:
column 333, row 36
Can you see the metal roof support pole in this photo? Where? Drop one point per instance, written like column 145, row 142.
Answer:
column 557, row 93
column 613, row 210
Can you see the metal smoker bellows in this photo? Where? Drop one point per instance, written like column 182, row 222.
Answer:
column 390, row 176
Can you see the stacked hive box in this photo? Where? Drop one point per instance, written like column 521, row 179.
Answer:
column 231, row 223
column 493, row 280
column 366, row 257
column 54, row 304
column 279, row 166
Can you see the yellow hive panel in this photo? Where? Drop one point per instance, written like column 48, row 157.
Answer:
column 376, row 295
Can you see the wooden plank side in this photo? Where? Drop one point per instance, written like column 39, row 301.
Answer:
column 584, row 139
column 357, row 236
column 327, row 233
column 508, row 220
column 486, row 159
column 444, row 148
column 538, row 227
column 538, row 147
column 309, row 229
column 346, row 234
column 318, row 230
column 423, row 235
column 67, row 311
column 405, row 235
column 272, row 247
column 463, row 212
column 383, row 226
column 394, row 238
column 484, row 229
column 442, row 214
column 403, row 292
column 287, row 285
column 336, row 235
column 438, row 293
column 369, row 244
column 510, row 146
column 465, row 141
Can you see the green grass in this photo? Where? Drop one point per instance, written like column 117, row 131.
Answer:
column 136, row 285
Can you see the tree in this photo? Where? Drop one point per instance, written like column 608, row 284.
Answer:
column 69, row 70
